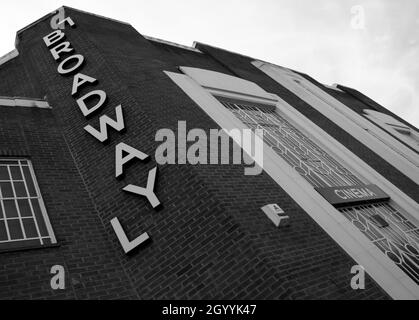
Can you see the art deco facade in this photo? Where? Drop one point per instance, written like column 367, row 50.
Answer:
column 80, row 186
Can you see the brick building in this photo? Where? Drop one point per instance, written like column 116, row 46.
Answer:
column 80, row 106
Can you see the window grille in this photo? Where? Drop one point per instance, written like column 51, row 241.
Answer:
column 24, row 222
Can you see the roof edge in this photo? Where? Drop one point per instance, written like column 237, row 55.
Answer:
column 54, row 12
column 173, row 44
column 197, row 43
column 20, row 31
column 96, row 15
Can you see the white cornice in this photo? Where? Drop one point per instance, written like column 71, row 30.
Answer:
column 23, row 102
column 173, row 44
column 9, row 56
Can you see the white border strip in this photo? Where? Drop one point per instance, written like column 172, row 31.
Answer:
column 42, row 204
column 22, row 102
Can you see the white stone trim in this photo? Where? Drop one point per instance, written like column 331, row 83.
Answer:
column 336, row 111
column 197, row 43
column 9, row 56
column 333, row 87
column 42, row 205
column 23, row 102
column 234, row 95
column 173, row 44
column 393, row 280
column 390, row 124
column 221, row 82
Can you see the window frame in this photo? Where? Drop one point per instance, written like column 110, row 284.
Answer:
column 51, row 235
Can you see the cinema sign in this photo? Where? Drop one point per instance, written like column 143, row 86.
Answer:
column 353, row 195
column 58, row 47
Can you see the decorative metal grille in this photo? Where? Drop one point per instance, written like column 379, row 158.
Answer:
column 399, row 239
column 308, row 159
column 23, row 220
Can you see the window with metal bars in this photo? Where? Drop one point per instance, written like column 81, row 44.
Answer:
column 24, row 222
column 382, row 223
column 398, row 238
column 307, row 158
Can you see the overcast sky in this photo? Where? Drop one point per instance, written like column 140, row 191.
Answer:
column 370, row 45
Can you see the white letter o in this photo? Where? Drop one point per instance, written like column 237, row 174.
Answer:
column 63, row 71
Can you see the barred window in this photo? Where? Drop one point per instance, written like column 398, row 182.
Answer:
column 24, row 222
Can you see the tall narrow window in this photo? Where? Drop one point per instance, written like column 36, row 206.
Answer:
column 24, row 222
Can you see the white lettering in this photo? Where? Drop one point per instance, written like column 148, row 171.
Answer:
column 127, row 245
column 78, row 57
column 69, row 21
column 80, row 79
column 62, row 47
column 147, row 192
column 53, row 37
column 340, row 195
column 120, row 160
column 105, row 121
column 82, row 104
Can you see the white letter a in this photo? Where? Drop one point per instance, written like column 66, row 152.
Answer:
column 120, row 160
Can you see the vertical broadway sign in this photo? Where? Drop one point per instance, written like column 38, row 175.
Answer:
column 72, row 65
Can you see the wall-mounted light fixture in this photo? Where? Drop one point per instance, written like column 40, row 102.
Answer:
column 276, row 215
